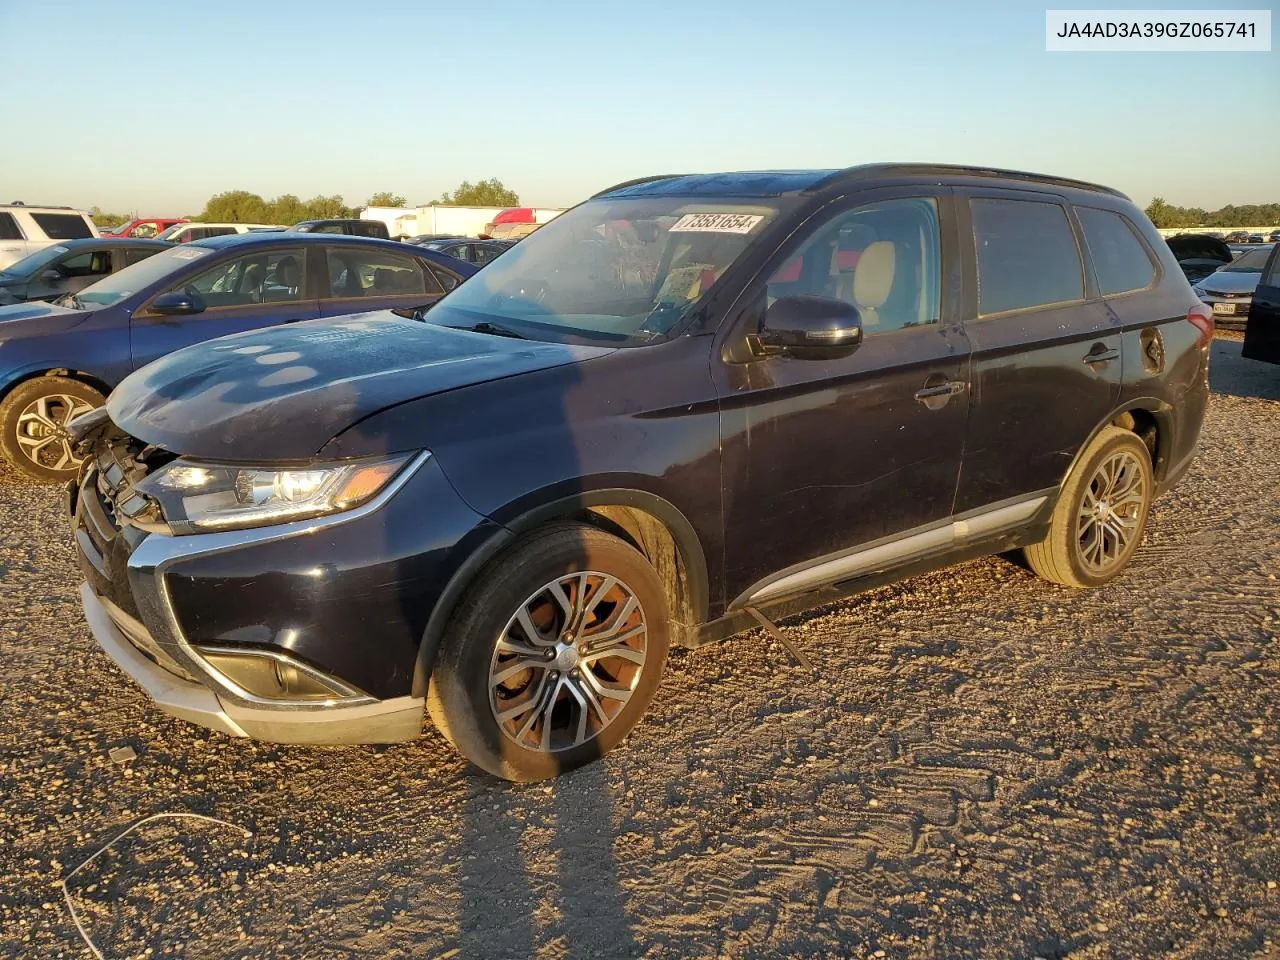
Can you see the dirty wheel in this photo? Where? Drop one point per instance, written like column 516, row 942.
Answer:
column 1101, row 513
column 554, row 655
column 33, row 425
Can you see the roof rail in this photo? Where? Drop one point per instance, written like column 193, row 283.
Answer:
column 631, row 183
column 865, row 171
column 42, row 206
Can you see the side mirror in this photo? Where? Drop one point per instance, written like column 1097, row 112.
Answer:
column 177, row 303
column 808, row 328
column 52, row 276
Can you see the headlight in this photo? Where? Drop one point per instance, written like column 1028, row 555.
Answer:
column 1197, row 290
column 195, row 497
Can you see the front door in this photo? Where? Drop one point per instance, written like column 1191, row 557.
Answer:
column 238, row 292
column 1046, row 350
column 1262, row 333
column 819, row 456
column 74, row 271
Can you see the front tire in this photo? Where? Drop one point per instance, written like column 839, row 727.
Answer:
column 553, row 656
column 33, row 425
column 1101, row 513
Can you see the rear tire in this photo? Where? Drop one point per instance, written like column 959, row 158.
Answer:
column 1101, row 513
column 33, row 421
column 552, row 656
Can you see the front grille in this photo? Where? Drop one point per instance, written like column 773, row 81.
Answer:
column 104, row 537
column 1227, row 296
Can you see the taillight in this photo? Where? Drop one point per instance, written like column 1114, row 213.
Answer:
column 1201, row 317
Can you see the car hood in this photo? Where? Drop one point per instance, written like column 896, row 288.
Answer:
column 1227, row 281
column 282, row 393
column 34, row 311
column 1197, row 247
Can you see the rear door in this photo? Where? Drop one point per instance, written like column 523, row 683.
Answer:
column 241, row 290
column 1046, row 351
column 363, row 276
column 13, row 245
column 1262, row 333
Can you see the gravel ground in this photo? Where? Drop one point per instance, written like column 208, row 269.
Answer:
column 986, row 766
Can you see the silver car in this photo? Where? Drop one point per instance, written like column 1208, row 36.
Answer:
column 1229, row 289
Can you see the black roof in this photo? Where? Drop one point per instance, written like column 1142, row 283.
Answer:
column 288, row 238
column 778, row 183
column 111, row 242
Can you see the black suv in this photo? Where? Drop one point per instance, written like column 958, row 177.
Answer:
column 686, row 405
column 348, row 227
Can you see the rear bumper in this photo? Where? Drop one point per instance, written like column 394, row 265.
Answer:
column 385, row 721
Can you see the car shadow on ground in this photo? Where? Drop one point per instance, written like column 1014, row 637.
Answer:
column 1233, row 375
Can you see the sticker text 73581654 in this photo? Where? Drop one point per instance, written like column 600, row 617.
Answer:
column 716, row 223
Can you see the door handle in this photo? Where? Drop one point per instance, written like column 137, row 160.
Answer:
column 948, row 389
column 935, row 397
column 1101, row 354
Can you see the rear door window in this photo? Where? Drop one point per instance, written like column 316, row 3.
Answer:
column 9, row 227
column 1119, row 258
column 134, row 254
column 1027, row 255
column 62, row 226
column 375, row 273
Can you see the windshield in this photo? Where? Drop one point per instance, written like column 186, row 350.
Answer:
column 1251, row 261
column 139, row 276
column 620, row 271
column 30, row 266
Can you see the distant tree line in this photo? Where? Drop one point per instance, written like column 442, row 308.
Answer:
column 1250, row 215
column 241, row 206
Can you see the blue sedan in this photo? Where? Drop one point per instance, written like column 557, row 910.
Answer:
column 59, row 360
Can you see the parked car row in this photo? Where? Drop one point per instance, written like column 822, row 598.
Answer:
column 61, row 359
column 504, row 511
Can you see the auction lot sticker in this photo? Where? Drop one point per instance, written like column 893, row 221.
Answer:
column 1157, row 31
column 716, row 223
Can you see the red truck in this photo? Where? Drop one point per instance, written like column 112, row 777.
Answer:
column 143, row 226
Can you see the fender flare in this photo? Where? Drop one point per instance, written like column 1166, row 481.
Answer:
column 1163, row 414
column 560, row 508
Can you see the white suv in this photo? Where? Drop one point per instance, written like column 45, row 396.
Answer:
column 24, row 230
column 186, row 232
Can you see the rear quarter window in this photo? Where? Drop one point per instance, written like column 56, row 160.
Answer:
column 1119, row 258
column 1027, row 255
column 62, row 226
column 9, row 227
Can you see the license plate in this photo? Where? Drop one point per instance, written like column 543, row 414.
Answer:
column 1224, row 308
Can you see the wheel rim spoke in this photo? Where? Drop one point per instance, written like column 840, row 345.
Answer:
column 565, row 665
column 42, row 430
column 1111, row 510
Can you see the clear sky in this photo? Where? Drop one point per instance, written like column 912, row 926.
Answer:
column 153, row 106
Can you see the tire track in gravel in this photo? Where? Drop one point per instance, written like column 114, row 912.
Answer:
column 985, row 766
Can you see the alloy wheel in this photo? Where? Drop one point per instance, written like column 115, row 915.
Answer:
column 42, row 432
column 1110, row 511
column 567, row 661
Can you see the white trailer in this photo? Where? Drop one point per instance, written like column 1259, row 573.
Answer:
column 454, row 221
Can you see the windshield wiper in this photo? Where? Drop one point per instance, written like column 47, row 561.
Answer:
column 484, row 326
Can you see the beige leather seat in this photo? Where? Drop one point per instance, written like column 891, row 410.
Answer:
column 873, row 280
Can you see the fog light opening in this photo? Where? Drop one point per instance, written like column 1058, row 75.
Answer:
column 276, row 677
